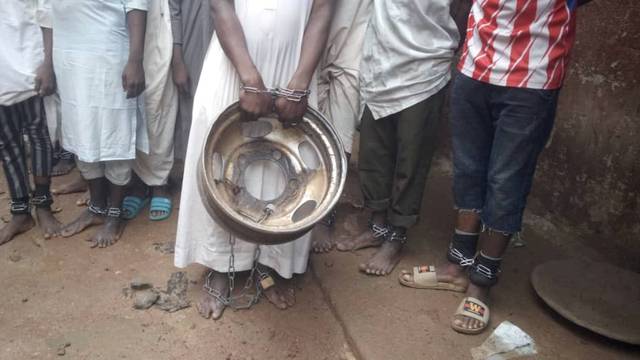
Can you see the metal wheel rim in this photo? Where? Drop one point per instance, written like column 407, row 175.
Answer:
column 222, row 168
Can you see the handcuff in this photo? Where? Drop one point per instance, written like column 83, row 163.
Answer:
column 294, row 95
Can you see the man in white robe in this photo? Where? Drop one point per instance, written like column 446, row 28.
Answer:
column 161, row 109
column 260, row 44
column 339, row 88
column 98, row 60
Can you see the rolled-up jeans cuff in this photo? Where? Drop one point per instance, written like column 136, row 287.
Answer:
column 500, row 228
column 377, row 205
column 461, row 209
column 403, row 221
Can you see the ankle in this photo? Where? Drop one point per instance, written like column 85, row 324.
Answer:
column 379, row 217
column 481, row 292
column 21, row 218
column 454, row 269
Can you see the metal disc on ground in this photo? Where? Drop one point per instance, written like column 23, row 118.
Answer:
column 598, row 296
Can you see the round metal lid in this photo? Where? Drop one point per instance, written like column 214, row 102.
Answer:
column 598, row 296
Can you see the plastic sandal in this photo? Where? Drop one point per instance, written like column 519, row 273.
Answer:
column 472, row 308
column 162, row 205
column 132, row 205
column 424, row 277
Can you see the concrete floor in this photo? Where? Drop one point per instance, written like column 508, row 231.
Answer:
column 61, row 291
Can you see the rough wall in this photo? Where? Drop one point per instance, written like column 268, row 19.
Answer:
column 589, row 176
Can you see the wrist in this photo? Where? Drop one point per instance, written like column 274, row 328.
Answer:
column 299, row 82
column 252, row 79
column 177, row 58
column 135, row 58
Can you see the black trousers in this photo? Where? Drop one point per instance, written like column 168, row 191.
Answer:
column 24, row 118
column 395, row 157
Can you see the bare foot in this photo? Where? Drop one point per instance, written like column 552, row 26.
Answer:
column 209, row 306
column 384, row 260
column 465, row 322
column 74, row 185
column 282, row 294
column 449, row 273
column 85, row 220
column 322, row 238
column 366, row 239
column 63, row 167
column 48, row 223
column 84, row 199
column 109, row 234
column 17, row 225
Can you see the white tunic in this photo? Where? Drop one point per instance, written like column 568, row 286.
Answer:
column 407, row 53
column 160, row 96
column 90, row 51
column 21, row 50
column 339, row 87
column 274, row 30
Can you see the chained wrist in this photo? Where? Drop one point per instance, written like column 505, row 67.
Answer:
column 255, row 90
column 295, row 95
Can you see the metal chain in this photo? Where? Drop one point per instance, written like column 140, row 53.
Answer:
column 294, row 95
column 236, row 301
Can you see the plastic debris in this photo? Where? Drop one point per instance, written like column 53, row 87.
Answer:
column 506, row 342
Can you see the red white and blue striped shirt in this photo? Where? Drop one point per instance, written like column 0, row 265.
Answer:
column 519, row 43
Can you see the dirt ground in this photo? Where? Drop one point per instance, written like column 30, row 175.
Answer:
column 61, row 292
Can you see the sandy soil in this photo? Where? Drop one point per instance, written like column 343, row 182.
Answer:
column 61, row 292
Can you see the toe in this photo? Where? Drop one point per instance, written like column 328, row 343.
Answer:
column 203, row 310
column 469, row 324
column 388, row 270
column 457, row 321
column 217, row 312
column 290, row 298
column 283, row 303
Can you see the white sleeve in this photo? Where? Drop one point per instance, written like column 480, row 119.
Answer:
column 43, row 14
column 137, row 5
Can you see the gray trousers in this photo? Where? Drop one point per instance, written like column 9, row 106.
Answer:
column 395, row 157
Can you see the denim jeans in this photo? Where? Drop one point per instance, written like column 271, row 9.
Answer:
column 498, row 133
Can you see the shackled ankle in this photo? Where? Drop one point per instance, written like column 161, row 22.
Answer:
column 396, row 234
column 485, row 270
column 462, row 248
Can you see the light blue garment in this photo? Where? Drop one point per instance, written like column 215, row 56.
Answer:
column 407, row 54
column 90, row 51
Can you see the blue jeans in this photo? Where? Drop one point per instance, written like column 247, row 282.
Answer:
column 498, row 133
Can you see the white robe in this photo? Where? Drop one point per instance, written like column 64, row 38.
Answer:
column 274, row 32
column 160, row 96
column 338, row 84
column 90, row 51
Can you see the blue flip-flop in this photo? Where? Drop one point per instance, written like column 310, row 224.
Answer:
column 132, row 205
column 162, row 205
